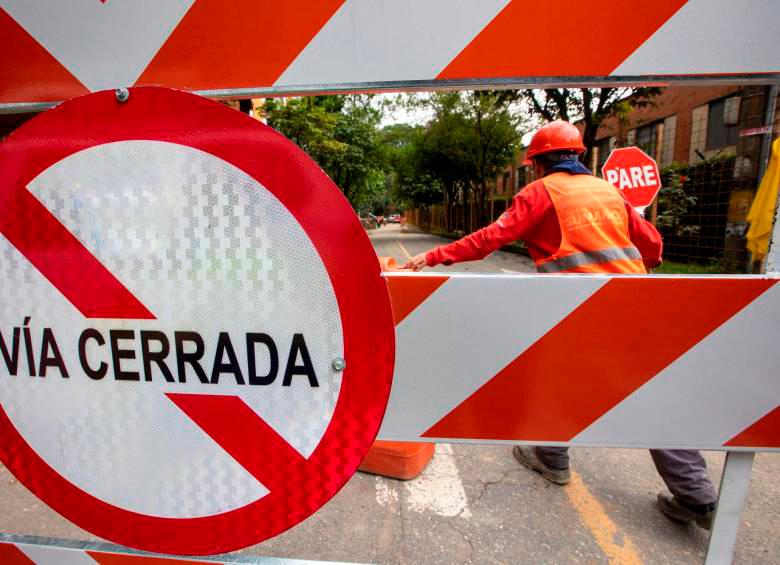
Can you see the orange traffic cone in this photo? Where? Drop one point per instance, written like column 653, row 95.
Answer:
column 396, row 459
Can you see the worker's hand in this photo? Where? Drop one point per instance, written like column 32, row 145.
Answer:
column 416, row 263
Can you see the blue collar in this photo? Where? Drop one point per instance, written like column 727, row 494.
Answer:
column 571, row 166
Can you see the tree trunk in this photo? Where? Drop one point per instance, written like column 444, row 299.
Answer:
column 589, row 140
column 466, row 210
column 449, row 200
column 483, row 202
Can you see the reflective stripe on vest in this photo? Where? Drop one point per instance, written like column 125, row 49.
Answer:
column 589, row 258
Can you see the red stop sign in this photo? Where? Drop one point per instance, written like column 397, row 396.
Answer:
column 634, row 173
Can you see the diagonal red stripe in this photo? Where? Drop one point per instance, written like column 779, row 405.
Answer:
column 407, row 293
column 588, row 38
column 12, row 555
column 240, row 46
column 29, row 72
column 763, row 433
column 244, row 435
column 120, row 559
column 63, row 260
column 598, row 355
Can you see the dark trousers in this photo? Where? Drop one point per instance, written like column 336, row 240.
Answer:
column 683, row 470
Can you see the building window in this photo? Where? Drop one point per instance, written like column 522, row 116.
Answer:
column 667, row 140
column 723, row 123
column 647, row 138
column 519, row 177
column 526, row 175
column 603, row 149
column 631, row 137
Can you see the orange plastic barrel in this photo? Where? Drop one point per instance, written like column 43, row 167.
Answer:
column 396, row 459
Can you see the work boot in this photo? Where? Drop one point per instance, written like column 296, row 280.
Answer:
column 527, row 456
column 680, row 511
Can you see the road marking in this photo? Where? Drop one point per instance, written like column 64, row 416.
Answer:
column 616, row 545
column 385, row 496
column 401, row 245
column 511, row 272
column 439, row 488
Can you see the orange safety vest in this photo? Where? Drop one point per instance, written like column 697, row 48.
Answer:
column 594, row 228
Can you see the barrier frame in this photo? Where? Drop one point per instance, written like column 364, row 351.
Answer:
column 735, row 479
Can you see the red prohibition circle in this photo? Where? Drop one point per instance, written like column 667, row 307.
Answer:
column 298, row 183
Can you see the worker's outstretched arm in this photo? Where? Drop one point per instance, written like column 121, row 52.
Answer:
column 513, row 224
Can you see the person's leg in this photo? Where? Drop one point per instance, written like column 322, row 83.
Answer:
column 551, row 462
column 685, row 473
column 555, row 457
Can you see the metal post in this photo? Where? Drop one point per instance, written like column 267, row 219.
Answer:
column 773, row 253
column 766, row 141
column 734, row 485
column 772, row 263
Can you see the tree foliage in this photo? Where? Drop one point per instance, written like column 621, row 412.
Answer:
column 470, row 138
column 341, row 133
column 411, row 182
column 591, row 105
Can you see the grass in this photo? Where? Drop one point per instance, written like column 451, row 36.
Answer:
column 672, row 268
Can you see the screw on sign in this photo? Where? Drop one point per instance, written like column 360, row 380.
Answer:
column 634, row 173
column 192, row 359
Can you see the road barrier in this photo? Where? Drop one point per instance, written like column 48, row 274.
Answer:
column 565, row 360
column 402, row 460
column 478, row 358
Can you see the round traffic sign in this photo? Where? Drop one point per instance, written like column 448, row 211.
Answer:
column 196, row 343
column 634, row 173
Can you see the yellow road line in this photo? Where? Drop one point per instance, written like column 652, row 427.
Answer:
column 616, row 545
column 401, row 245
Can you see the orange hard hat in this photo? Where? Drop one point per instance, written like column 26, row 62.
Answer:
column 555, row 136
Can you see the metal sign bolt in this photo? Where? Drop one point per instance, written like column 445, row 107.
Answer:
column 122, row 94
column 339, row 364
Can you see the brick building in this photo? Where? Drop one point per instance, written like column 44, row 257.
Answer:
column 682, row 125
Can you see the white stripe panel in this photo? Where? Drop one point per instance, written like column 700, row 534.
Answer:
column 717, row 389
column 464, row 334
column 385, row 40
column 42, row 555
column 712, row 36
column 104, row 44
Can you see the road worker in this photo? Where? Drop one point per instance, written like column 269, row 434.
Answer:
column 573, row 222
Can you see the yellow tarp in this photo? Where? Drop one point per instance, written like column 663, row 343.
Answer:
column 762, row 212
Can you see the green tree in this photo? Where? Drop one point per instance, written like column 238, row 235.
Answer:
column 410, row 180
column 470, row 139
column 444, row 148
column 590, row 105
column 341, row 134
column 494, row 138
column 307, row 122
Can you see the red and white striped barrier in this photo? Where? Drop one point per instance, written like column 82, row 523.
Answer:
column 28, row 553
column 688, row 362
column 342, row 45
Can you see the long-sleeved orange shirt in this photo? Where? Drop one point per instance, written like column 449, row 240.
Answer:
column 532, row 219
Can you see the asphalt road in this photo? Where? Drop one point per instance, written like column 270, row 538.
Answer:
column 475, row 504
column 392, row 241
